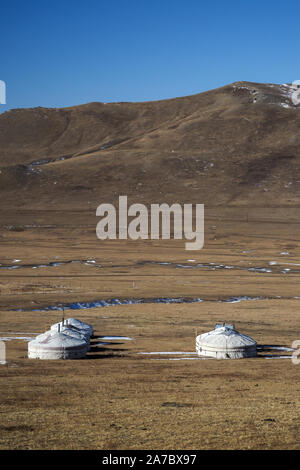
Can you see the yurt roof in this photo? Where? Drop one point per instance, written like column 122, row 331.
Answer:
column 224, row 338
column 63, row 329
column 57, row 341
column 82, row 327
column 78, row 323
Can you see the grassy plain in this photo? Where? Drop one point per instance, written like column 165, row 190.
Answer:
column 118, row 398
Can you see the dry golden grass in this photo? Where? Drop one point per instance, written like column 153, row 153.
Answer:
column 119, row 399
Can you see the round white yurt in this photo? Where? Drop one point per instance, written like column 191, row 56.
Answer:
column 224, row 342
column 84, row 328
column 57, row 345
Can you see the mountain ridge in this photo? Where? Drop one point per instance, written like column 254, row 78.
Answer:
column 232, row 145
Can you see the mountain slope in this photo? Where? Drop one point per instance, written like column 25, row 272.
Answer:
column 236, row 145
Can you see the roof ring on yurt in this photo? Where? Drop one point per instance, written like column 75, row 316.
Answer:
column 225, row 342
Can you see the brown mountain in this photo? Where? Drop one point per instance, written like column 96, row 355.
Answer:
column 236, row 145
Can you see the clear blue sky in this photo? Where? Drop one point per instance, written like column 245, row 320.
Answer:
column 62, row 53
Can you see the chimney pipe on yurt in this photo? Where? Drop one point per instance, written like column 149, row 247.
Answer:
column 63, row 315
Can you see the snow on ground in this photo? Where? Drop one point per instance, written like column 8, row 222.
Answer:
column 11, row 338
column 117, row 338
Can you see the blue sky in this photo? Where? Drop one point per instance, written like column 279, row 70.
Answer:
column 62, row 53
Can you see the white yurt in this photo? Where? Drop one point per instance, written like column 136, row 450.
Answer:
column 57, row 345
column 84, row 328
column 224, row 342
